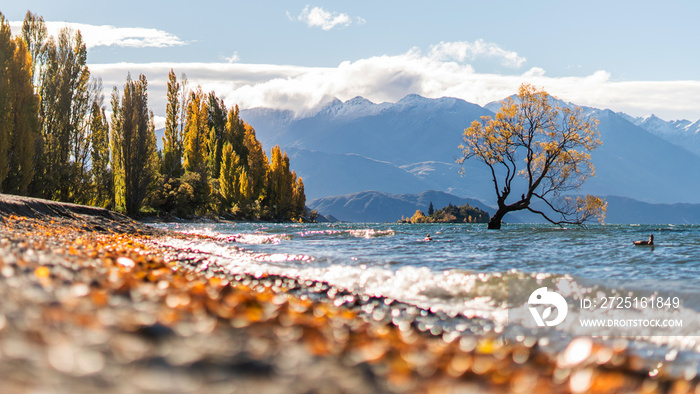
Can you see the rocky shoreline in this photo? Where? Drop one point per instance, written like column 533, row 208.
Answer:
column 90, row 303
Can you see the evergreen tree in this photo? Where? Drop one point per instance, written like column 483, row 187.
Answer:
column 431, row 210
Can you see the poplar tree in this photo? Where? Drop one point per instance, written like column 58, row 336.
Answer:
column 257, row 162
column 280, row 185
column 298, row 197
column 196, row 134
column 217, row 130
column 25, row 121
column 135, row 140
column 19, row 122
column 245, row 190
column 228, row 183
column 64, row 108
column 35, row 35
column 117, row 157
column 235, row 132
column 172, row 140
column 6, row 53
column 102, row 180
column 184, row 100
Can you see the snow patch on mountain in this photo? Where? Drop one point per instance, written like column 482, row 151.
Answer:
column 683, row 133
column 351, row 109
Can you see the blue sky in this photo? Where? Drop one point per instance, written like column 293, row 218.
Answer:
column 640, row 57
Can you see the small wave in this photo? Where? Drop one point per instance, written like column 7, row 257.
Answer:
column 358, row 233
column 244, row 238
column 455, row 292
column 265, row 238
column 316, row 233
column 371, row 233
column 259, row 239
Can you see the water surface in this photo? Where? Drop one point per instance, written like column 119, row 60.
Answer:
column 464, row 271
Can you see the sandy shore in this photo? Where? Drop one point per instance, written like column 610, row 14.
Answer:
column 89, row 304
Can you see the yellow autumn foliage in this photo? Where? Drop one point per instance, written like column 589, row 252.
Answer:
column 546, row 144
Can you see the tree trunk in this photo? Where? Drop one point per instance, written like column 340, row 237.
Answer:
column 495, row 221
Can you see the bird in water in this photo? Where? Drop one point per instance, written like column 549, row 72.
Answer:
column 649, row 242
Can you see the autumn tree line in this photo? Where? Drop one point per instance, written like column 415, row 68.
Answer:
column 57, row 141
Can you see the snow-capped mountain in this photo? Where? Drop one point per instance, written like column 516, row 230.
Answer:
column 683, row 133
column 351, row 109
column 411, row 146
column 412, row 130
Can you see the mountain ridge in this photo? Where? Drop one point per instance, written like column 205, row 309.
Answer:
column 374, row 206
column 411, row 146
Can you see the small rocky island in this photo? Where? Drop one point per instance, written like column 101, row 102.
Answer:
column 449, row 214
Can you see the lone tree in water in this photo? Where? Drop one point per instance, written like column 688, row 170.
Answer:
column 545, row 144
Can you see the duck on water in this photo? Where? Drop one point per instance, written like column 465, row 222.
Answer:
column 649, row 242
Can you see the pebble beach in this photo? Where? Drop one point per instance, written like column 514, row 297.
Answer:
column 90, row 303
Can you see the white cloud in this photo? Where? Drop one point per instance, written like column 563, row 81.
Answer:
column 465, row 50
column 106, row 35
column 233, row 58
column 326, row 20
column 390, row 78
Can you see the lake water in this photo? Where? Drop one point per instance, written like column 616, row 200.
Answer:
column 465, row 271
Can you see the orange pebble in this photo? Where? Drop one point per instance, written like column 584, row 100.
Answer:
column 42, row 272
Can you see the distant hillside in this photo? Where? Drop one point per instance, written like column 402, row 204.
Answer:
column 623, row 210
column 348, row 173
column 373, row 206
